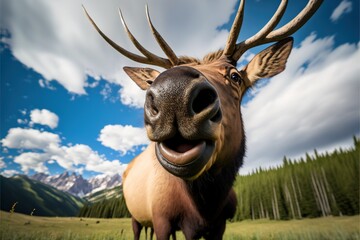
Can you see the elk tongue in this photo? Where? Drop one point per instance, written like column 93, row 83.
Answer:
column 180, row 144
column 181, row 148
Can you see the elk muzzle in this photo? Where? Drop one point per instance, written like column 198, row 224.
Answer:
column 182, row 115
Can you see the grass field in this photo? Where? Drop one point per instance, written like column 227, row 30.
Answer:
column 19, row 226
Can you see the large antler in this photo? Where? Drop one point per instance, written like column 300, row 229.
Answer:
column 149, row 57
column 267, row 33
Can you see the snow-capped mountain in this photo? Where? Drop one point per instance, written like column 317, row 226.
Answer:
column 76, row 184
column 103, row 181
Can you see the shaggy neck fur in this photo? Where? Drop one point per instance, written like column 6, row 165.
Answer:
column 210, row 191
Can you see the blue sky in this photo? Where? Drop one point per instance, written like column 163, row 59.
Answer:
column 66, row 104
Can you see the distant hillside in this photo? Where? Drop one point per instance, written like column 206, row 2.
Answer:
column 30, row 194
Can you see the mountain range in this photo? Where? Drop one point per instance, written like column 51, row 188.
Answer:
column 76, row 184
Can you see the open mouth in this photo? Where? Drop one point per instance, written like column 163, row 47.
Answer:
column 184, row 158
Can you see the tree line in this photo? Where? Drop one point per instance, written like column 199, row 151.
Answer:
column 107, row 208
column 315, row 186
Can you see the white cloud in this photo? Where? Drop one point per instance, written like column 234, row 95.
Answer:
column 23, row 112
column 123, row 138
column 132, row 95
column 22, row 121
column 107, row 93
column 32, row 161
column 107, row 167
column 46, row 84
column 2, row 163
column 247, row 57
column 44, row 117
column 67, row 49
column 9, row 173
column 21, row 138
column 313, row 104
column 344, row 7
column 71, row 158
column 42, row 83
column 48, row 149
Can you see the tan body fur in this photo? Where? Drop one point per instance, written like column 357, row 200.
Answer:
column 148, row 188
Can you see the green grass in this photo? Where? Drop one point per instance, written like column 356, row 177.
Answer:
column 19, row 226
column 311, row 229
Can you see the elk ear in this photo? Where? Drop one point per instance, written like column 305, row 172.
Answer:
column 143, row 77
column 269, row 62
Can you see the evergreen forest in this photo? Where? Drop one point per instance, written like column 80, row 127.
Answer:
column 317, row 186
column 114, row 207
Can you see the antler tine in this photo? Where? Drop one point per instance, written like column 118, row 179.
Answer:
column 130, row 55
column 144, row 51
column 164, row 46
column 123, row 51
column 296, row 23
column 235, row 30
column 273, row 22
column 267, row 34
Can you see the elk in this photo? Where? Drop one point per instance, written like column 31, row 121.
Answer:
column 183, row 180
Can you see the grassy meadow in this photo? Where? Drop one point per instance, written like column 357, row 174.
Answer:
column 18, row 226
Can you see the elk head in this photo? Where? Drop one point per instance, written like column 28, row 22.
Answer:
column 192, row 109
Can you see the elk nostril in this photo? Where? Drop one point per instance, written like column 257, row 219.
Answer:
column 217, row 116
column 154, row 111
column 150, row 104
column 205, row 98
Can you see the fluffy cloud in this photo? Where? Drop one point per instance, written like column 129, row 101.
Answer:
column 32, row 161
column 22, row 121
column 313, row 104
column 2, row 163
column 82, row 155
column 48, row 149
column 344, row 7
column 123, row 138
column 107, row 167
column 21, row 138
column 107, row 93
column 44, row 117
column 9, row 173
column 67, row 49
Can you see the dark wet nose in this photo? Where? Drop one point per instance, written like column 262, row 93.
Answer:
column 181, row 100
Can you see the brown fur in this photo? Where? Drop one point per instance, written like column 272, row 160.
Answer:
column 208, row 59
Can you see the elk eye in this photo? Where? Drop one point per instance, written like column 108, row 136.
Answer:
column 235, row 77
